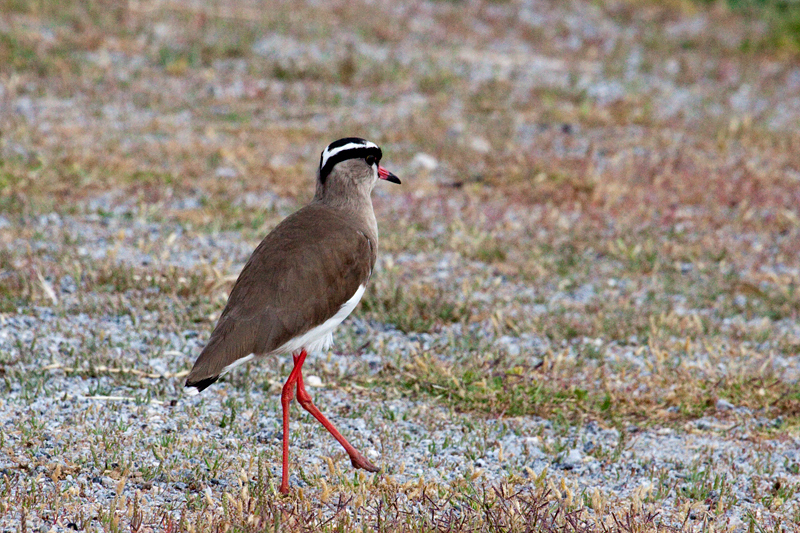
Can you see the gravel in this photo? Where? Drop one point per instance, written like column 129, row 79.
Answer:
column 97, row 395
column 411, row 439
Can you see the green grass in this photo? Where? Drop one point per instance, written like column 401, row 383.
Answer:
column 498, row 385
column 413, row 306
column 683, row 228
column 782, row 18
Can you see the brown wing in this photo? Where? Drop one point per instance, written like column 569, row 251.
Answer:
column 297, row 278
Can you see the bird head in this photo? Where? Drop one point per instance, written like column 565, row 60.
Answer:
column 351, row 163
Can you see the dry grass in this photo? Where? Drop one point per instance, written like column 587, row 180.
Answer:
column 385, row 506
column 683, row 229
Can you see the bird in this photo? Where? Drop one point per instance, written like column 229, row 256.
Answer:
column 301, row 282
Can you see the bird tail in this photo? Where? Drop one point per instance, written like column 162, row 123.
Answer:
column 196, row 386
column 227, row 348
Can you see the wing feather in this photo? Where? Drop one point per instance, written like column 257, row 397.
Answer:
column 298, row 277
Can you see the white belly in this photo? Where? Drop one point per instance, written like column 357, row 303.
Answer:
column 320, row 338
column 315, row 340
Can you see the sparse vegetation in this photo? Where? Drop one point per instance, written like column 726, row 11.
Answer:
column 599, row 227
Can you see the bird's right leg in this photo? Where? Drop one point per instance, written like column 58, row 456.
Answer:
column 358, row 460
column 286, row 398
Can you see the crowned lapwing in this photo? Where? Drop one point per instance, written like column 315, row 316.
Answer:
column 302, row 281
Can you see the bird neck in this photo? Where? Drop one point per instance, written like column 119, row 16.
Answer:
column 355, row 203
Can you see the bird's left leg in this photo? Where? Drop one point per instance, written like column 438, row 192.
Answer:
column 286, row 397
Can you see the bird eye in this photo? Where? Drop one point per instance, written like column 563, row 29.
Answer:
column 370, row 160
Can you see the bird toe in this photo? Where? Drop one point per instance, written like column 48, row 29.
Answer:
column 364, row 463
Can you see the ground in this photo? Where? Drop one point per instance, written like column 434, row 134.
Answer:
column 584, row 315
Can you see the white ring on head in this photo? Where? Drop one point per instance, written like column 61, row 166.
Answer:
column 328, row 153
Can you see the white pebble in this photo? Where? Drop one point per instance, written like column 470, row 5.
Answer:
column 425, row 161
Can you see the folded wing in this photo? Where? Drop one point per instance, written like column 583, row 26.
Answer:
column 299, row 276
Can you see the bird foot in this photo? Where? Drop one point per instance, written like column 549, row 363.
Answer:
column 359, row 461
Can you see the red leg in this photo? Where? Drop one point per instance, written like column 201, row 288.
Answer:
column 358, row 460
column 286, row 397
